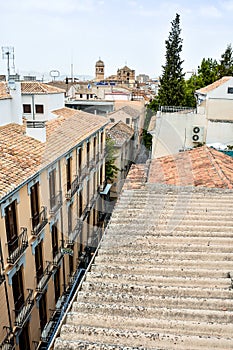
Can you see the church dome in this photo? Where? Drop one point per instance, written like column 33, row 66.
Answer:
column 99, row 63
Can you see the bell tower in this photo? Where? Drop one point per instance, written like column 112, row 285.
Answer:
column 99, row 70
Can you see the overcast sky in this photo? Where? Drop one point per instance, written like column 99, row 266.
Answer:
column 52, row 34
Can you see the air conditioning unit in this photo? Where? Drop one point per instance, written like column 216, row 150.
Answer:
column 197, row 134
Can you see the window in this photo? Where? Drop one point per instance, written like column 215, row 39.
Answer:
column 101, row 142
column 39, row 109
column 35, row 204
column 80, row 204
column 88, row 154
column 54, row 240
column 80, row 161
column 39, row 262
column 57, row 284
column 68, row 174
column 11, row 227
column 94, row 149
column 70, row 219
column 230, row 90
column 127, row 121
column 112, row 120
column 42, row 312
column 17, row 286
column 24, row 342
column 27, row 108
column 81, row 95
column 52, row 186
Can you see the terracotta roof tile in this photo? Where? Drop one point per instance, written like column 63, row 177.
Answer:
column 35, row 87
column 4, row 92
column 214, row 85
column 120, row 133
column 201, row 166
column 20, row 157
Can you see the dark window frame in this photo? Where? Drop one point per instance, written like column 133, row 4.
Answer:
column 27, row 108
column 39, row 109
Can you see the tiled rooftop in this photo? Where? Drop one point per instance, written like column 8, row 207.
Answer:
column 20, row 157
column 23, row 156
column 162, row 277
column 202, row 166
column 120, row 133
column 35, row 87
column 214, row 85
column 4, row 92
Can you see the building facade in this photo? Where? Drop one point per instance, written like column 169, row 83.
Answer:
column 51, row 221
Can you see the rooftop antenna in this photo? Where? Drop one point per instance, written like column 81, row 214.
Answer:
column 8, row 54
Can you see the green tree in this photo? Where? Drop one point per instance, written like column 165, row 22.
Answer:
column 208, row 71
column 172, row 83
column 110, row 168
column 225, row 67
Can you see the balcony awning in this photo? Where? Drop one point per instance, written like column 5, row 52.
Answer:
column 106, row 189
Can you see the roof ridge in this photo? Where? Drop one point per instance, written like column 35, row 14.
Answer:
column 218, row 169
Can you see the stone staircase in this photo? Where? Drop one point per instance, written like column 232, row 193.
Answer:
column 162, row 278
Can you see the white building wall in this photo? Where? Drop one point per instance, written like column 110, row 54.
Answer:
column 11, row 108
column 219, row 132
column 5, row 111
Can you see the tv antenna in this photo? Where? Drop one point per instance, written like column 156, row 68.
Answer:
column 8, row 54
column 54, row 74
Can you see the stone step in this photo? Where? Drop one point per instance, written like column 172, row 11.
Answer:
column 176, row 255
column 170, row 291
column 140, row 340
column 163, row 263
column 165, row 313
column 156, row 301
column 153, row 232
column 113, row 240
column 160, row 271
column 177, row 247
column 124, row 220
column 155, row 324
column 160, row 280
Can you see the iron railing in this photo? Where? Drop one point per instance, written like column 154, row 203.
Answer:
column 57, row 259
column 17, row 247
column 22, row 315
column 72, row 236
column 8, row 341
column 177, row 109
column 39, row 221
column 55, row 203
column 47, row 273
column 84, row 172
column 74, row 188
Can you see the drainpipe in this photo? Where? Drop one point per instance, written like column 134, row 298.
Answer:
column 33, row 108
column 5, row 287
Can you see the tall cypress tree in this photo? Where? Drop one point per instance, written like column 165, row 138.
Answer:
column 226, row 63
column 172, row 83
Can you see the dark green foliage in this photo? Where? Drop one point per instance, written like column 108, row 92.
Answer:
column 110, row 168
column 225, row 67
column 208, row 72
column 172, row 84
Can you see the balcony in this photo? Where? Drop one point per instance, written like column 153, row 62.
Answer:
column 58, row 257
column 8, row 342
column 17, row 247
column 92, row 164
column 22, row 315
column 72, row 236
column 74, row 188
column 84, row 172
column 55, row 203
column 39, row 221
column 47, row 273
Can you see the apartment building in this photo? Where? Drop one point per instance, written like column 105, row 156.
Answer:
column 51, row 221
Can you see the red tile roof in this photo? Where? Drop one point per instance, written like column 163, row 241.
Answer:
column 214, row 85
column 201, row 166
column 35, row 87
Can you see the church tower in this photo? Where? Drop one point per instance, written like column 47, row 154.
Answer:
column 99, row 70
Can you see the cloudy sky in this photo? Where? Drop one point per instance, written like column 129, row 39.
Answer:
column 51, row 34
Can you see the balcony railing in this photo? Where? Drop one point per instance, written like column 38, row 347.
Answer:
column 55, row 203
column 92, row 164
column 74, row 188
column 47, row 273
column 23, row 314
column 84, row 172
column 8, row 341
column 57, row 259
column 17, row 247
column 39, row 221
column 72, row 236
